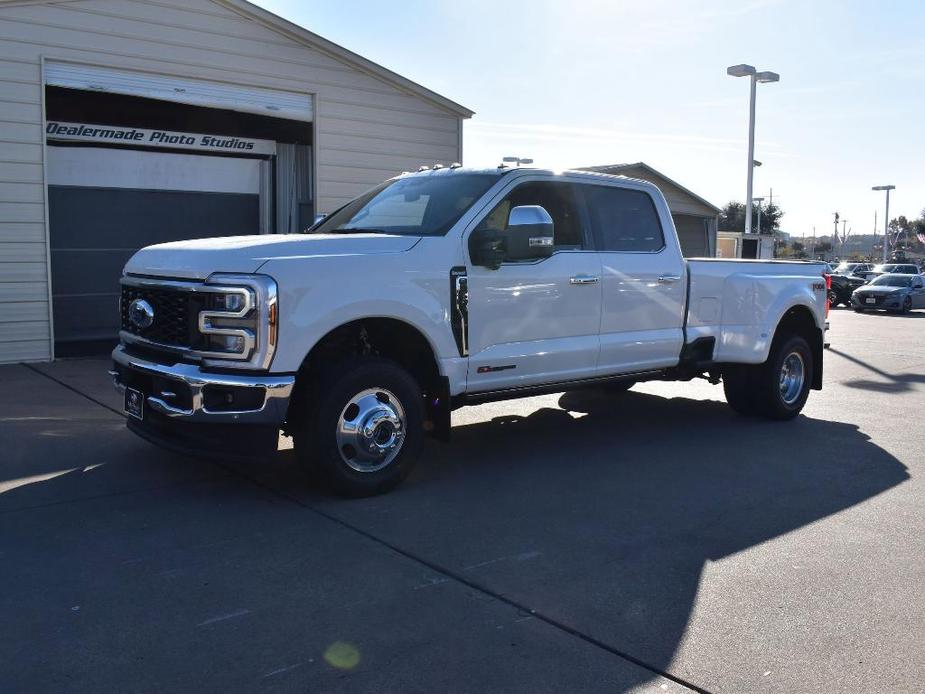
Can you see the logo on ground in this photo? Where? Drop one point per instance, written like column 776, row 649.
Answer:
column 141, row 314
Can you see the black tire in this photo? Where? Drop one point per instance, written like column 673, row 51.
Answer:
column 833, row 298
column 318, row 447
column 770, row 399
column 739, row 388
column 907, row 305
column 617, row 387
column 858, row 309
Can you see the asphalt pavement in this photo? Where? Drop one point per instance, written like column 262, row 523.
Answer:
column 578, row 542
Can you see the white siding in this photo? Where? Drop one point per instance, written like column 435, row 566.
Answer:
column 366, row 128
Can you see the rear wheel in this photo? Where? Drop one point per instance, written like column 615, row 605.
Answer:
column 858, row 309
column 784, row 380
column 363, row 433
column 833, row 298
column 738, row 386
column 776, row 389
column 618, row 387
column 907, row 304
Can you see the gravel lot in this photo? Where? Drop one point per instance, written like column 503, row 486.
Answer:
column 651, row 541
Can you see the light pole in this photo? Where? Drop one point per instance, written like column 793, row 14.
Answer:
column 756, row 77
column 886, row 219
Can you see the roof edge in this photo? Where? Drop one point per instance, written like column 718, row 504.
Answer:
column 615, row 168
column 302, row 35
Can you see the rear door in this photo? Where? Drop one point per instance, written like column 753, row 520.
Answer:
column 644, row 279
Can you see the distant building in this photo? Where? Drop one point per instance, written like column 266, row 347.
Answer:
column 695, row 219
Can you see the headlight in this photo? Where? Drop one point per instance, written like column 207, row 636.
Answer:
column 237, row 321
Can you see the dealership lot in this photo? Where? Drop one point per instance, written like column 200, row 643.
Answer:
column 572, row 542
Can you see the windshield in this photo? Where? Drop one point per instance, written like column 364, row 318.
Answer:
column 892, row 281
column 413, row 206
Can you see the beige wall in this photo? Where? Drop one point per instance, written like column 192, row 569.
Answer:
column 366, row 128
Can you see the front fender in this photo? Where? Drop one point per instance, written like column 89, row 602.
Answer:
column 318, row 295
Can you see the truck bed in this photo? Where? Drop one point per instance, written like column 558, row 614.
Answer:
column 740, row 302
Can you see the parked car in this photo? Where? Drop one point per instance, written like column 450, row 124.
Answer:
column 842, row 286
column 440, row 289
column 891, row 268
column 845, row 268
column 891, row 292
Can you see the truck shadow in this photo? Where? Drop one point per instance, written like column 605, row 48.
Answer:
column 599, row 511
column 603, row 514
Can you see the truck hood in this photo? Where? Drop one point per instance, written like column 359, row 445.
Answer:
column 199, row 258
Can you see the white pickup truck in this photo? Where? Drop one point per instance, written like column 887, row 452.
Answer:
column 440, row 289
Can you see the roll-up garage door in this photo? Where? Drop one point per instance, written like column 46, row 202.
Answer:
column 104, row 204
column 693, row 234
column 266, row 102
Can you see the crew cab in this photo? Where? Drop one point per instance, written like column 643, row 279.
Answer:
column 440, row 289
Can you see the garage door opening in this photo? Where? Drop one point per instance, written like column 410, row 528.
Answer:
column 126, row 172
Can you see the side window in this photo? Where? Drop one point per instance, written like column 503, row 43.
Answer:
column 558, row 199
column 624, row 220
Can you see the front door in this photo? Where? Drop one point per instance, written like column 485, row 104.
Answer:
column 536, row 322
column 643, row 281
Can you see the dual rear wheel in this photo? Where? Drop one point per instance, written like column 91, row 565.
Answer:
column 776, row 389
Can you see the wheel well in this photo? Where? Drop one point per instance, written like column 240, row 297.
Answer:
column 799, row 320
column 383, row 337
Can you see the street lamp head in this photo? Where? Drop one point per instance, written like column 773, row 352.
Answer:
column 757, row 199
column 767, row 76
column 884, row 188
column 740, row 71
column 755, row 162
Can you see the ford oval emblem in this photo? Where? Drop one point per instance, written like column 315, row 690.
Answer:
column 141, row 314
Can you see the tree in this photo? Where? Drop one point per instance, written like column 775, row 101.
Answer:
column 732, row 217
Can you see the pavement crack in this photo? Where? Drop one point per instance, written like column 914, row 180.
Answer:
column 73, row 389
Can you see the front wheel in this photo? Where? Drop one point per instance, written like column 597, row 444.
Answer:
column 907, row 304
column 363, row 433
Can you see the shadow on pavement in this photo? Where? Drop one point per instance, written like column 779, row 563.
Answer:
column 600, row 515
column 894, row 383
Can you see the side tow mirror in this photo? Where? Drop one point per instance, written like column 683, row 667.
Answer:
column 529, row 233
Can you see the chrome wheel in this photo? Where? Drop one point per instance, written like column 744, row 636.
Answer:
column 371, row 430
column 792, row 374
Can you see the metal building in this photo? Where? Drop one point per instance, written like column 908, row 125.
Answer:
column 130, row 122
column 695, row 219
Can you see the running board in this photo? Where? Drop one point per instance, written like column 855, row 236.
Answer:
column 484, row 396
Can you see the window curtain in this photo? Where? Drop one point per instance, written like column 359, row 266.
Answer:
column 294, row 209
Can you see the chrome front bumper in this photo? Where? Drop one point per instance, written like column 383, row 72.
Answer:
column 276, row 389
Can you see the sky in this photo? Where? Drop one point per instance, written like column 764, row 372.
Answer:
column 585, row 82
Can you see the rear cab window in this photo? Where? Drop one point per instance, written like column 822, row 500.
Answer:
column 623, row 220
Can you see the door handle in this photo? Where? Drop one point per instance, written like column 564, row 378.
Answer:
column 584, row 279
column 668, row 279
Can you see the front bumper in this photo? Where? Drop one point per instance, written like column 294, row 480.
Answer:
column 881, row 301
column 184, row 392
